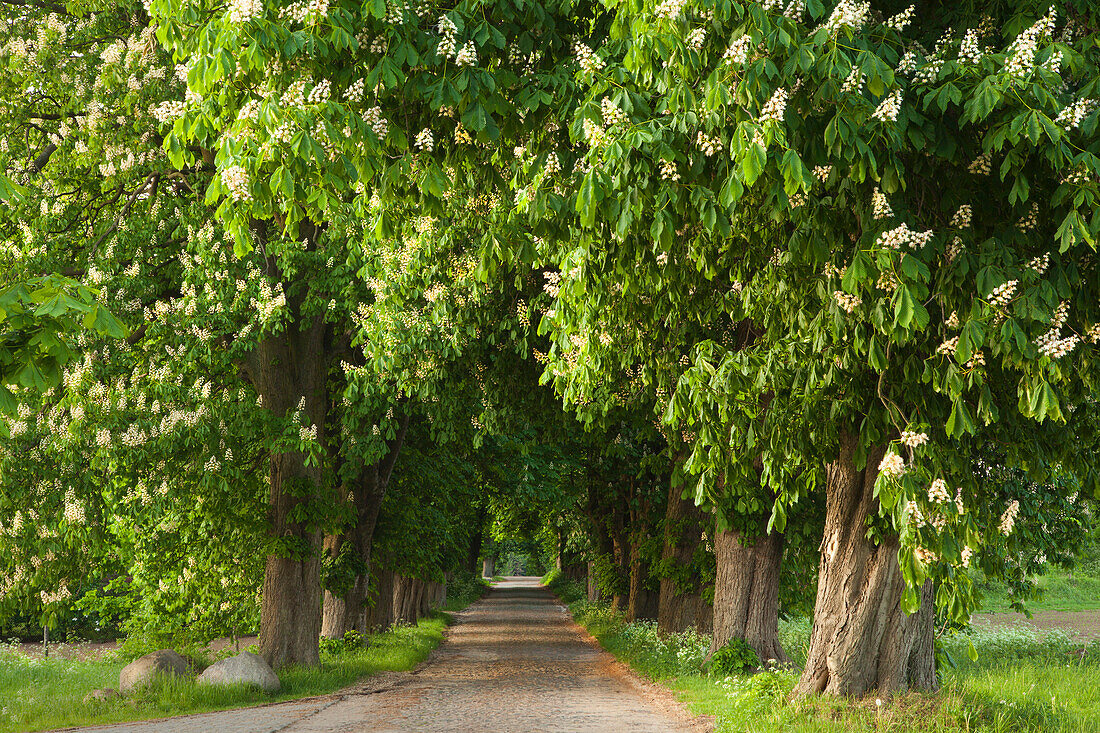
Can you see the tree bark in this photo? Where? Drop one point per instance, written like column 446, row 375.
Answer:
column 487, row 568
column 642, row 603
column 746, row 592
column 288, row 369
column 379, row 613
column 477, row 538
column 593, row 584
column 621, row 559
column 681, row 605
column 862, row 641
column 343, row 613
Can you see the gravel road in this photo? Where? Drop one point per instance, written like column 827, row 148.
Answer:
column 515, row 661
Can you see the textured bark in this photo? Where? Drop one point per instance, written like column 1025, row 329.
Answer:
column 862, row 641
column 593, row 584
column 343, row 613
column 334, row 610
column 680, row 605
column 641, row 602
column 379, row 613
column 413, row 598
column 746, row 592
column 285, row 368
column 620, row 555
column 487, row 568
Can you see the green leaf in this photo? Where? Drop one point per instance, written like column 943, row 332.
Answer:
column 904, row 307
column 961, row 421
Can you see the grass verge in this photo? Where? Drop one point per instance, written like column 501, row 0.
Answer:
column 38, row 694
column 1061, row 591
column 1021, row 682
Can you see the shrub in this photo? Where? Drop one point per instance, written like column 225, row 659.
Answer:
column 351, row 641
column 734, row 658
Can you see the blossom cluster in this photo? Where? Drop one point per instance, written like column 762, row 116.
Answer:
column 1008, row 519
column 236, row 180
column 1002, row 294
column 669, row 9
column 848, row 13
column 775, row 107
column 888, row 109
column 738, row 51
column 892, row 465
column 847, row 302
column 448, row 43
column 1072, row 115
column 913, row 439
column 709, row 145
column 587, row 59
column 242, row 11
column 1020, row 60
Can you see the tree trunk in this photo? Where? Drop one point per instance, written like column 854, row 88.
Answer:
column 746, row 592
column 862, row 641
column 346, row 612
column 642, row 603
column 681, row 605
column 593, row 584
column 487, row 568
column 288, row 369
column 621, row 559
column 334, row 611
column 477, row 538
column 379, row 615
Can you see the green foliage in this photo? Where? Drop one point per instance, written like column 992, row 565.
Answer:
column 736, row 657
column 569, row 591
column 349, row 642
column 654, row 654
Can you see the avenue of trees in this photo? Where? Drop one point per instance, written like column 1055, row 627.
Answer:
column 737, row 308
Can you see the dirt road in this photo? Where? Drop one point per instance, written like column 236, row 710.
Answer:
column 514, row 662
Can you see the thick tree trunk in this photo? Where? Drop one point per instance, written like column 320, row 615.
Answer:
column 288, row 370
column 334, row 611
column 412, row 598
column 343, row 613
column 593, row 584
column 746, row 592
column 621, row 559
column 681, row 605
column 379, row 614
column 862, row 641
column 487, row 568
column 641, row 602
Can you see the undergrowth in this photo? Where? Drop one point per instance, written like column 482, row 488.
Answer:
column 1020, row 682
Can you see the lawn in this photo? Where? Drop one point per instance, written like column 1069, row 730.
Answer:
column 1061, row 591
column 38, row 694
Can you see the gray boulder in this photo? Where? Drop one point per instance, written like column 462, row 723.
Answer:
column 244, row 669
column 101, row 695
column 142, row 670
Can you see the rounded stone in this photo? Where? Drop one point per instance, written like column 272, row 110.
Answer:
column 244, row 669
column 143, row 670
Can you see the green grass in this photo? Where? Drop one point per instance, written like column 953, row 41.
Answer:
column 1021, row 682
column 38, row 694
column 1061, row 592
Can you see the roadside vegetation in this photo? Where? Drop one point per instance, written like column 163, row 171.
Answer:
column 39, row 694
column 1020, row 680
